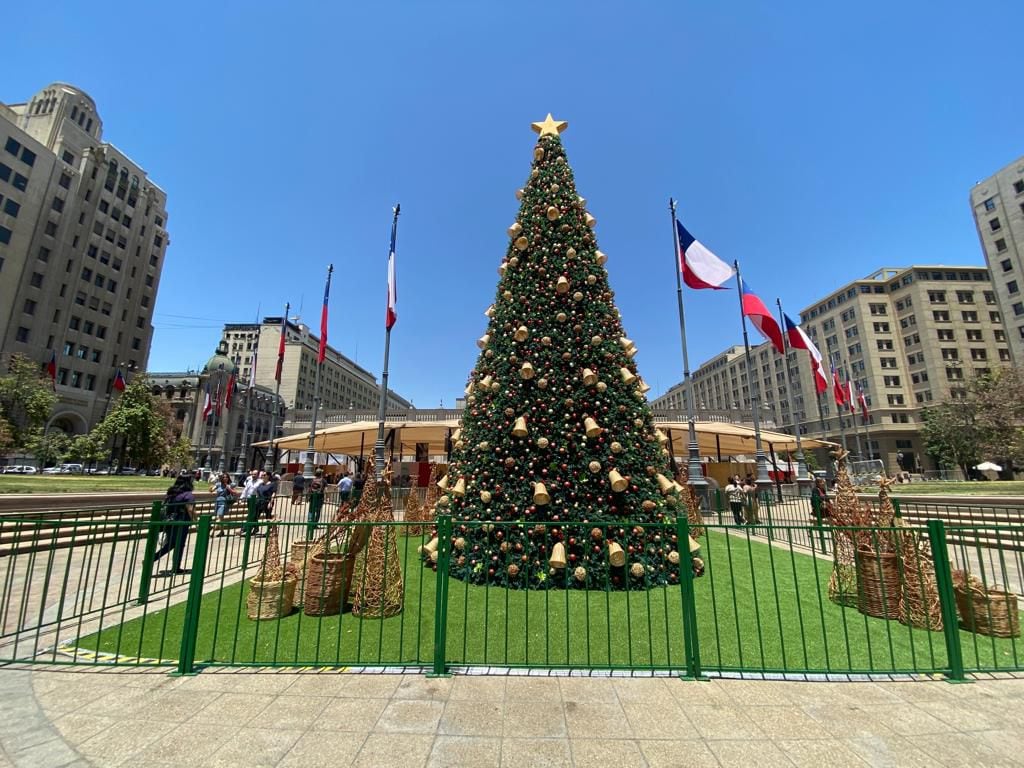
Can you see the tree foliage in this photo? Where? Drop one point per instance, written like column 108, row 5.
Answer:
column 49, row 447
column 86, row 449
column 26, row 400
column 6, row 437
column 141, row 424
column 950, row 433
column 180, row 454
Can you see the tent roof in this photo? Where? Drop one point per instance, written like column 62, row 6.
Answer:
column 351, row 438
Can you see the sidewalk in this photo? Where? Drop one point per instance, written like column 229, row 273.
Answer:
column 268, row 718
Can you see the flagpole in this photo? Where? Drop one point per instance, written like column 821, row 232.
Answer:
column 832, row 358
column 695, row 477
column 249, row 394
column 307, row 469
column 211, row 431
column 853, row 413
column 763, row 482
column 378, row 446
column 864, row 423
column 803, row 482
column 268, row 463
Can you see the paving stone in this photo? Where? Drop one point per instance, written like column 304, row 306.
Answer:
column 112, row 746
column 743, row 754
column 234, row 708
column 542, row 719
column 521, row 687
column 477, row 688
column 891, row 750
column 472, row 718
column 368, row 686
column 411, row 716
column 661, row 720
column 350, row 715
column 641, row 689
column 597, row 721
column 600, row 753
column 588, row 690
column 423, row 687
column 536, row 753
column 254, row 747
column 714, row 723
column 908, row 720
column 815, row 753
column 184, row 744
column 669, row 753
column 79, row 726
column 395, row 750
column 292, row 712
column 786, row 723
column 324, row 748
column 465, row 752
column 957, row 749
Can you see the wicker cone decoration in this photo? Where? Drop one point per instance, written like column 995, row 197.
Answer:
column 378, row 584
column 428, row 513
column 693, row 514
column 272, row 590
column 413, row 514
column 842, row 585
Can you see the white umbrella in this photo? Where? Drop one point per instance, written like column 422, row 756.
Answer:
column 988, row 466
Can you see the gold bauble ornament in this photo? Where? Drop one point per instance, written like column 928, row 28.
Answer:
column 589, row 377
column 580, row 574
column 443, row 501
column 521, row 333
column 562, row 286
column 561, row 317
column 526, row 371
column 507, row 295
column 538, row 153
column 483, row 445
column 673, row 557
column 519, row 194
column 553, row 213
column 514, row 261
column 459, row 445
column 596, row 341
column 600, row 258
column 501, row 269
column 522, row 243
column 513, row 570
column 540, row 495
column 616, row 447
column 591, row 279
column 542, row 442
column 519, row 429
column 636, row 570
column 542, row 383
column 554, row 188
column 638, row 422
column 594, row 466
column 485, row 497
column 571, row 253
column 489, row 353
column 648, row 505
column 546, row 341
column 460, row 543
column 601, row 386
column 515, row 229
column 577, row 296
column 495, row 386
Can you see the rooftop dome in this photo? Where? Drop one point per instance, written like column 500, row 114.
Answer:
column 220, row 361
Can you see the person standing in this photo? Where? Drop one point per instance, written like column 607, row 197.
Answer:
column 316, row 503
column 736, row 493
column 178, row 505
column 225, row 494
column 253, row 503
column 345, row 486
column 298, row 487
column 819, row 501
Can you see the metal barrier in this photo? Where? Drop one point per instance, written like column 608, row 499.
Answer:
column 776, row 598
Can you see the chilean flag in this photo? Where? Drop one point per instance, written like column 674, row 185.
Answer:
column 322, row 351
column 119, row 382
column 51, row 368
column 863, row 404
column 838, row 390
column 230, row 395
column 800, row 340
column 280, row 346
column 207, row 403
column 392, row 313
column 701, row 268
column 850, row 398
column 760, row 317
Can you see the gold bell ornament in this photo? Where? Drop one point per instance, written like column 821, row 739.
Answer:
column 429, row 548
column 522, row 243
column 457, row 434
column 519, row 194
column 664, row 484
column 489, row 312
column 460, row 487
column 694, row 546
column 644, row 387
column 582, row 200
column 627, row 376
column 677, row 487
column 515, row 229
column 591, row 426
column 590, row 221
column 526, row 371
column 443, row 483
column 662, row 437
column 589, row 377
column 615, row 554
column 519, row 429
column 540, row 495
column 557, row 555
column 600, row 258
column 562, row 286
column 484, row 340
column 618, row 482
column 486, row 381
column 626, row 344
column 521, row 333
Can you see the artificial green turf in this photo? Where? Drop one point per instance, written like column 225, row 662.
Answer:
column 791, row 626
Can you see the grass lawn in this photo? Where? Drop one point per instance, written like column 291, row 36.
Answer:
column 790, row 626
column 992, row 488
column 81, row 483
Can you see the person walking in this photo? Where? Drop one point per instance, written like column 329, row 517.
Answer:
column 819, row 501
column 253, row 503
column 345, row 487
column 178, row 505
column 736, row 493
column 225, row 494
column 298, row 488
column 316, row 503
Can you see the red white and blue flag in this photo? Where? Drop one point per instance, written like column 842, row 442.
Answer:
column 392, row 313
column 863, row 403
column 217, row 402
column 280, row 346
column 322, row 352
column 760, row 317
column 701, row 268
column 230, row 395
column 850, row 396
column 838, row 390
column 119, row 382
column 207, row 403
column 798, row 339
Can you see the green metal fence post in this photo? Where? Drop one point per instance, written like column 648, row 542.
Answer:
column 718, row 504
column 444, row 550
column 152, row 534
column 947, row 600
column 190, row 627
column 692, row 644
column 768, row 513
column 247, row 528
column 898, row 514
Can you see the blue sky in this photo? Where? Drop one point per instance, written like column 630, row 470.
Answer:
column 815, row 142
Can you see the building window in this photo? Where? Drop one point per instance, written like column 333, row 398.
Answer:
column 68, row 158
column 1007, row 265
column 36, row 281
column 950, row 354
column 973, row 335
column 1012, row 288
column 940, row 316
column 937, row 297
column 1004, row 355
column 965, row 297
column 994, row 224
column 990, row 204
column 979, row 355
column 112, row 285
column 5, row 235
column 43, row 254
column 57, row 204
column 86, row 273
column 81, row 352
column 75, row 324
column 994, row 317
column 1018, row 309
column 11, row 208
column 101, row 332
column 895, row 399
column 30, row 307
column 20, row 182
column 22, row 335
column 881, row 327
column 990, row 297
column 76, row 379
column 12, row 146
column 891, row 381
column 65, row 181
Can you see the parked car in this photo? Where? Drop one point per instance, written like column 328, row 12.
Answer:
column 71, row 469
column 52, row 471
column 20, row 469
column 126, row 471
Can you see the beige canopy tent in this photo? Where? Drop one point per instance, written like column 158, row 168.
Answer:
column 714, row 438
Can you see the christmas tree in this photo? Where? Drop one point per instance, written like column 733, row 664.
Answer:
column 558, row 443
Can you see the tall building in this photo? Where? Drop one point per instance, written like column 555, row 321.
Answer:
column 82, row 244
column 909, row 337
column 343, row 384
column 998, row 207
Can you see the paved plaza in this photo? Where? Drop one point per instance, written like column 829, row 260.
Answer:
column 285, row 718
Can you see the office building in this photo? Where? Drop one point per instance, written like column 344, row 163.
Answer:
column 82, row 244
column 909, row 337
column 998, row 207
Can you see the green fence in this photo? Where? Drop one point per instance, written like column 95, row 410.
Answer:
column 799, row 598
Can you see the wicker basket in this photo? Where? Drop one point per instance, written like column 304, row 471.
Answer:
column 297, row 557
column 326, row 578
column 878, row 584
column 270, row 599
column 990, row 612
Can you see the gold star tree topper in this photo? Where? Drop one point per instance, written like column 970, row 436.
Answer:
column 549, row 126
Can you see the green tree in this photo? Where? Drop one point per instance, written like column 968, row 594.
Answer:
column 140, row 423
column 49, row 447
column 998, row 402
column 554, row 357
column 26, row 400
column 951, row 434
column 6, row 437
column 86, row 449
column 180, row 454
